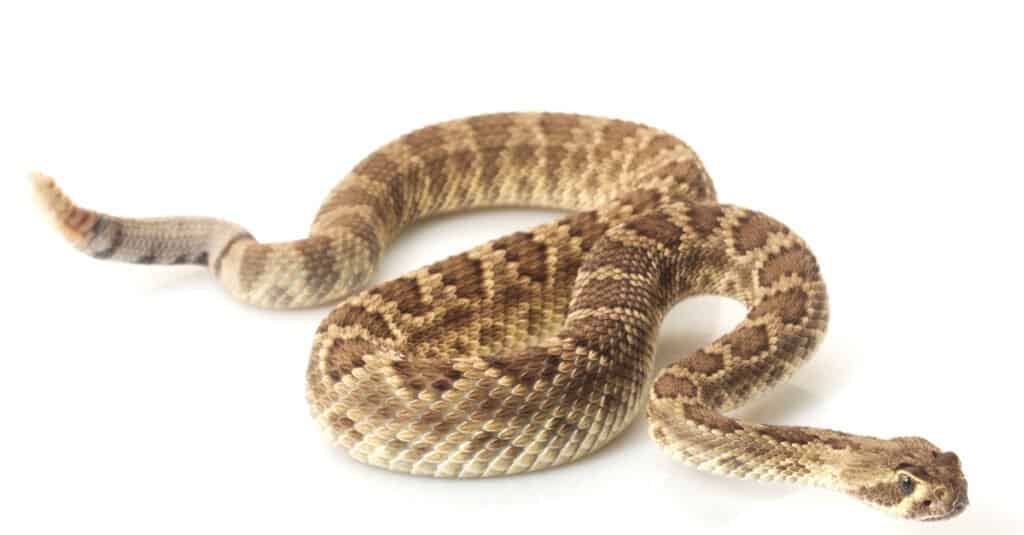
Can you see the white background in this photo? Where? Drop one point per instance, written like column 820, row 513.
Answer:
column 143, row 400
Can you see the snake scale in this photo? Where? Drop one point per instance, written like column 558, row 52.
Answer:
column 536, row 349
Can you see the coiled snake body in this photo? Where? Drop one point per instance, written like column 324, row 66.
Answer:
column 537, row 348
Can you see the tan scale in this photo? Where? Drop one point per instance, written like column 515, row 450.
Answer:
column 537, row 348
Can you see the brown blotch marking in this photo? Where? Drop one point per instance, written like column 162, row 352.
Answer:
column 614, row 136
column 683, row 172
column 442, row 385
column 419, row 337
column 578, row 162
column 793, row 435
column 654, row 147
column 776, row 373
column 610, row 292
column 643, row 200
column 430, row 180
column 791, row 347
column 704, row 218
column 255, row 260
column 357, row 195
column 790, row 306
column 377, row 166
column 603, row 334
column 345, row 315
column 535, row 321
column 492, row 334
column 457, row 319
column 711, row 419
column 511, row 295
column 796, row 261
column 405, row 293
column 554, row 156
column 567, row 266
column 343, row 356
column 523, row 158
column 318, row 261
column 395, row 197
column 464, row 273
column 492, row 134
column 702, row 188
column 670, row 386
column 629, row 260
column 703, row 262
column 490, row 166
column 884, row 494
column 586, row 226
column 424, row 138
column 461, row 161
column 361, row 228
column 748, row 341
column 753, row 232
column 493, row 129
column 619, row 130
column 715, row 393
column 705, row 363
column 361, row 193
column 526, row 366
column 657, row 229
column 557, row 127
column 524, row 155
column 529, row 254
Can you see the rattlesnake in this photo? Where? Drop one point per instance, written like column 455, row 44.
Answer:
column 537, row 348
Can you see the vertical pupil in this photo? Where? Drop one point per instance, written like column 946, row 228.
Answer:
column 906, row 485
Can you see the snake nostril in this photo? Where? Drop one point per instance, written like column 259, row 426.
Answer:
column 927, row 503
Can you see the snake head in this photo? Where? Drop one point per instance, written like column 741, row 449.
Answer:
column 910, row 477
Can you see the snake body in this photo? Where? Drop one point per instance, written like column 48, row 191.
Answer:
column 536, row 349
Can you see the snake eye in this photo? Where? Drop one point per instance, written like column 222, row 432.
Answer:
column 906, row 484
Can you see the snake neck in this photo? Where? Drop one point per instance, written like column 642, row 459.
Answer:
column 747, row 451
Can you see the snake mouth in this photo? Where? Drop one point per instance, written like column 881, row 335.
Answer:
column 958, row 507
